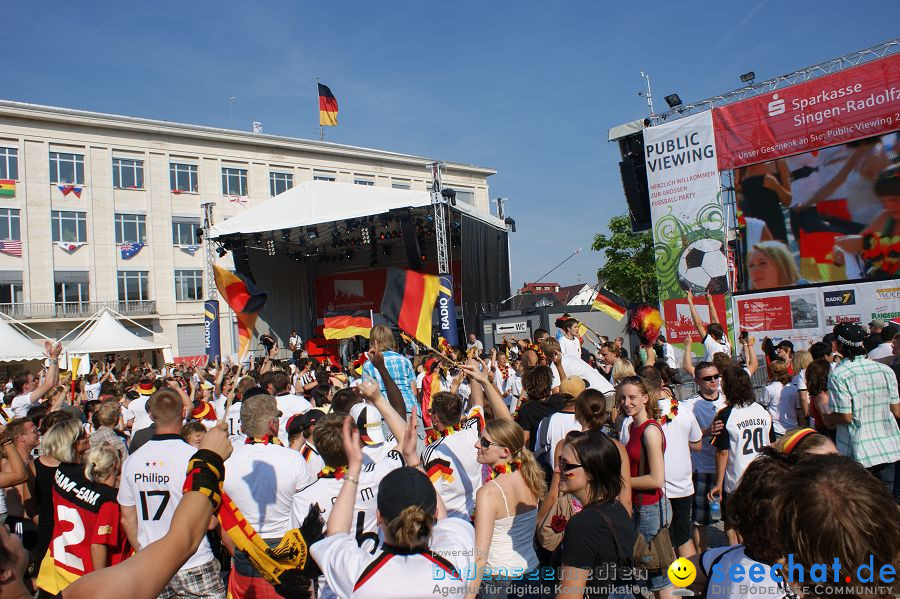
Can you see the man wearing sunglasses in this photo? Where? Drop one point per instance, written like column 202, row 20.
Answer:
column 705, row 403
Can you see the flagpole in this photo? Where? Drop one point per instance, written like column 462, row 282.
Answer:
column 321, row 127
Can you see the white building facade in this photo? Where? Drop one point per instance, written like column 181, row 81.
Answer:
column 88, row 188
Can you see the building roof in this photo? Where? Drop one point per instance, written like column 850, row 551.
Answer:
column 30, row 111
column 563, row 297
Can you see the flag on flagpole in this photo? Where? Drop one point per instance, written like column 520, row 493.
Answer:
column 70, row 246
column 128, row 250
column 409, row 299
column 610, row 304
column 245, row 299
column 344, row 325
column 11, row 247
column 328, row 107
column 7, row 187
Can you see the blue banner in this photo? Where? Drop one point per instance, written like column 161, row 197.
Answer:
column 211, row 329
column 446, row 309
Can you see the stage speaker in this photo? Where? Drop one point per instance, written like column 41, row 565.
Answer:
column 411, row 243
column 633, row 170
column 242, row 262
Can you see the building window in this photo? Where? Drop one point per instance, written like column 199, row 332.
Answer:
column 133, row 285
column 10, row 287
column 68, row 226
column 363, row 180
column 66, row 168
column 234, row 181
column 71, row 287
column 188, row 285
column 465, row 196
column 131, row 228
column 9, row 224
column 184, row 232
column 401, row 184
column 128, row 173
column 9, row 163
column 280, row 183
column 323, row 176
column 183, row 177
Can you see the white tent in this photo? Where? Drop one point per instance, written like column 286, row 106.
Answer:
column 106, row 335
column 15, row 346
column 316, row 202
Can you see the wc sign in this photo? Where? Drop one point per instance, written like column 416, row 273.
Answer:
column 510, row 328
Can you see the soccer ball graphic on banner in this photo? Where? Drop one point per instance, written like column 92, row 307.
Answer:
column 702, row 267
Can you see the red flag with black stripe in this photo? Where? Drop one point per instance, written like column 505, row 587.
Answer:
column 409, row 299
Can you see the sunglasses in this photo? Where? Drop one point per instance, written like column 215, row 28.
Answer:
column 565, row 466
column 486, row 444
column 712, row 377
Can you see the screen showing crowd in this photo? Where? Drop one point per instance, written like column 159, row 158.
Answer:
column 823, row 216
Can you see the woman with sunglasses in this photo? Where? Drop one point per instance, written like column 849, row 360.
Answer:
column 646, row 445
column 506, row 509
column 600, row 536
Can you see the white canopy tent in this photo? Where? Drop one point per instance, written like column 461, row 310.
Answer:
column 15, row 346
column 317, row 202
column 104, row 334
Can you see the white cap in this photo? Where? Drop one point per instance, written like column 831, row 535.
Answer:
column 369, row 422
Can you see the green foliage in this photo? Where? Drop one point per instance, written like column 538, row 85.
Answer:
column 630, row 270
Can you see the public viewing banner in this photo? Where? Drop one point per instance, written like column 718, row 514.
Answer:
column 804, row 316
column 854, row 103
column 688, row 218
column 807, row 159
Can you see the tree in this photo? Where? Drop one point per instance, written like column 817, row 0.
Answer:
column 630, row 269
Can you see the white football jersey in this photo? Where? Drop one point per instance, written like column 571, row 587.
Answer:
column 314, row 461
column 233, row 420
column 747, row 430
column 152, row 479
column 452, row 465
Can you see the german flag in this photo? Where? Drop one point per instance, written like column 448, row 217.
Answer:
column 245, row 299
column 610, row 304
column 344, row 325
column 409, row 299
column 327, row 107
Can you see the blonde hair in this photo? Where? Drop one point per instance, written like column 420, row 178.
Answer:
column 550, row 346
column 412, row 528
column 59, row 440
column 778, row 371
column 382, row 335
column 101, row 462
column 621, row 369
column 511, row 436
column 801, row 360
column 780, row 256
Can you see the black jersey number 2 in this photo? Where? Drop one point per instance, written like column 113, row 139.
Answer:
column 145, row 500
column 753, row 440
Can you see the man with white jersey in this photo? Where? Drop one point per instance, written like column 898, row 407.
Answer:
column 27, row 392
column 300, row 428
column 261, row 477
column 150, row 489
column 451, row 460
column 145, row 388
column 278, row 385
column 572, row 366
column 704, row 406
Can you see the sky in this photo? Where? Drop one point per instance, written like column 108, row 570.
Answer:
column 527, row 88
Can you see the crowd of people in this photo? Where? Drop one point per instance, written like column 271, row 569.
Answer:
column 535, row 468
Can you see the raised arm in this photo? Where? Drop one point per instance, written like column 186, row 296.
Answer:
column 341, row 517
column 713, row 315
column 498, row 407
column 394, row 395
column 396, row 423
column 698, row 323
column 52, row 376
column 749, row 356
column 686, row 363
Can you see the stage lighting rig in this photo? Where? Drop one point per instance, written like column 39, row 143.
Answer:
column 270, row 247
column 221, row 251
column 312, row 232
column 673, row 100
column 748, row 77
column 449, row 195
column 510, row 223
column 366, row 239
column 286, row 235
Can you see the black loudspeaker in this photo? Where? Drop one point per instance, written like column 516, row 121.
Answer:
column 242, row 262
column 634, row 181
column 411, row 243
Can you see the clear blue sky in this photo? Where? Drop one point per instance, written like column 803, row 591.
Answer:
column 529, row 88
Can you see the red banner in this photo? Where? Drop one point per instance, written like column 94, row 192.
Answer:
column 851, row 104
column 679, row 324
column 765, row 314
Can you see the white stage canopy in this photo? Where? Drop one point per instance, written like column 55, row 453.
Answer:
column 107, row 335
column 317, row 202
column 16, row 346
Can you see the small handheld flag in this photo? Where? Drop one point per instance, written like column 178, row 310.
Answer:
column 344, row 325
column 609, row 303
column 409, row 299
column 328, row 107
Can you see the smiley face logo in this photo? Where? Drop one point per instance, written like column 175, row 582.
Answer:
column 682, row 572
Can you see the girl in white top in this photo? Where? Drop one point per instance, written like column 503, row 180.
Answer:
column 505, row 509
